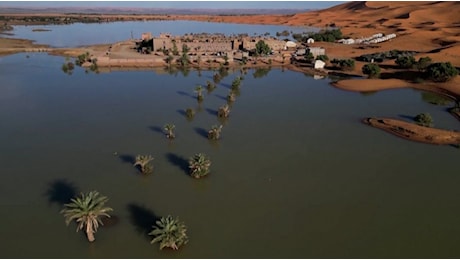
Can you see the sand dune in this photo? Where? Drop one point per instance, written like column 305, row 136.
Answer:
column 432, row 28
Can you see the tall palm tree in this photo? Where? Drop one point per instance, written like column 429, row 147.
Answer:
column 199, row 165
column 224, row 111
column 169, row 232
column 87, row 211
column 143, row 162
column 214, row 133
column 169, row 128
column 199, row 91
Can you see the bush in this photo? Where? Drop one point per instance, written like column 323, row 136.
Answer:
column 406, row 62
column 348, row 64
column 322, row 58
column 371, row 69
column 441, row 71
column 423, row 63
column 424, row 119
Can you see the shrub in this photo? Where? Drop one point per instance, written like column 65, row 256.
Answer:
column 423, row 63
column 424, row 119
column 322, row 58
column 347, row 64
column 406, row 62
column 371, row 69
column 441, row 71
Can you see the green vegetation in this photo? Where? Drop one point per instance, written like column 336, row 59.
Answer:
column 231, row 96
column 189, row 112
column 216, row 78
column 210, row 86
column 261, row 72
column 143, row 162
column 322, row 57
column 199, row 165
column 347, row 64
column 435, row 99
column 169, row 128
column 424, row 119
column 387, row 55
column 371, row 69
column 284, row 33
column 236, row 83
column 406, row 62
column 87, row 211
column 68, row 67
column 175, row 51
column 224, row 111
column 423, row 63
column 262, row 48
column 323, row 36
column 214, row 133
column 441, row 71
column 199, row 90
column 82, row 58
column 169, row 232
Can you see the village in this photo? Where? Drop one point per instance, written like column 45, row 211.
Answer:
column 206, row 50
column 215, row 50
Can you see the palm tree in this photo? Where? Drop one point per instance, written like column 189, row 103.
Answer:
column 169, row 232
column 143, row 162
column 169, row 128
column 214, row 133
column 199, row 165
column 199, row 90
column 224, row 111
column 87, row 211
column 236, row 83
column 210, row 86
column 231, row 96
column 189, row 112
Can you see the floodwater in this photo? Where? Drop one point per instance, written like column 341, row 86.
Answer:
column 79, row 34
column 295, row 175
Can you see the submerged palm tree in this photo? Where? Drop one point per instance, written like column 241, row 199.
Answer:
column 169, row 128
column 87, row 211
column 210, row 86
column 143, row 162
column 199, row 165
column 224, row 111
column 189, row 112
column 214, row 133
column 169, row 232
column 199, row 91
column 231, row 96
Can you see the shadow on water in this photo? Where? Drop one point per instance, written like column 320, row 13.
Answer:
column 178, row 161
column 156, row 129
column 211, row 111
column 407, row 117
column 182, row 93
column 201, row 131
column 221, row 97
column 182, row 112
column 126, row 158
column 61, row 192
column 142, row 218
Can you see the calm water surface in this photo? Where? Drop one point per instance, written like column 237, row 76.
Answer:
column 296, row 175
column 79, row 34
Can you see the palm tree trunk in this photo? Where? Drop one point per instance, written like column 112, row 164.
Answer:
column 89, row 232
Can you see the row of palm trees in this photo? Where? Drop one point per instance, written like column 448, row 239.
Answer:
column 89, row 209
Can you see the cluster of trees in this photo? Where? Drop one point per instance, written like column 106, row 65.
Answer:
column 386, row 55
column 323, row 36
column 344, row 64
